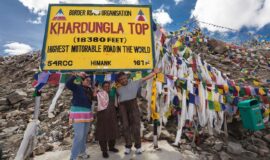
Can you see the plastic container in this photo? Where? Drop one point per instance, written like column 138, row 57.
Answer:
column 251, row 115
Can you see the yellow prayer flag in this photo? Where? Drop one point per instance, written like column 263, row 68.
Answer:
column 138, row 75
column 237, row 88
column 220, row 91
column 177, row 44
column 154, row 113
column 226, row 88
column 168, row 113
column 261, row 91
column 117, row 85
column 224, row 99
column 266, row 113
column 256, row 83
column 217, row 106
column 161, row 77
column 210, row 97
column 195, row 75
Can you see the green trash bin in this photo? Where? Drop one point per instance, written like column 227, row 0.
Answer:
column 251, row 115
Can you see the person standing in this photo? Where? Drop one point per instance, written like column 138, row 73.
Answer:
column 129, row 109
column 107, row 129
column 80, row 115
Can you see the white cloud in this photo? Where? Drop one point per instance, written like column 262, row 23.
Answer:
column 36, row 21
column 232, row 13
column 178, row 1
column 129, row 1
column 16, row 48
column 161, row 16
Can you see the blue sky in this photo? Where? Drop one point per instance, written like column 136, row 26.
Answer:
column 23, row 21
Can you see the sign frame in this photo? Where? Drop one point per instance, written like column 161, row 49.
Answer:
column 43, row 54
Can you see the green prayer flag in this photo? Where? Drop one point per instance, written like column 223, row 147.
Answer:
column 211, row 105
column 242, row 92
column 112, row 92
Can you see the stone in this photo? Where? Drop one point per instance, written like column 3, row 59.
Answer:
column 39, row 150
column 263, row 151
column 164, row 135
column 17, row 105
column 56, row 135
column 267, row 138
column 226, row 61
column 220, row 49
column 30, row 90
column 21, row 85
column 3, row 135
column 4, row 108
column 205, row 156
column 15, row 139
column 148, row 136
column 235, row 148
column 149, row 127
column 210, row 141
column 3, row 122
column 1, row 60
column 27, row 102
column 186, row 147
column 66, row 142
column 13, row 114
column 198, row 148
column 16, row 96
column 46, row 97
column 258, row 134
column 251, row 147
column 48, row 147
column 218, row 146
column 190, row 155
column 3, row 101
column 249, row 154
column 236, row 129
column 257, row 142
column 225, row 156
column 10, row 129
column 12, row 123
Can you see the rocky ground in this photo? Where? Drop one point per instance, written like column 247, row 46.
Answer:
column 242, row 65
column 17, row 107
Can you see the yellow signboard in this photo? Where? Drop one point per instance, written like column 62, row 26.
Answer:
column 98, row 37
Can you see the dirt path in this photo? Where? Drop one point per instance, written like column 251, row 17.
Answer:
column 167, row 153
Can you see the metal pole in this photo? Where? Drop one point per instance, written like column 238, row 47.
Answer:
column 155, row 135
column 37, row 106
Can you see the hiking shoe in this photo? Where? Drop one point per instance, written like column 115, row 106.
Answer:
column 84, row 156
column 127, row 151
column 138, row 151
column 105, row 154
column 114, row 150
